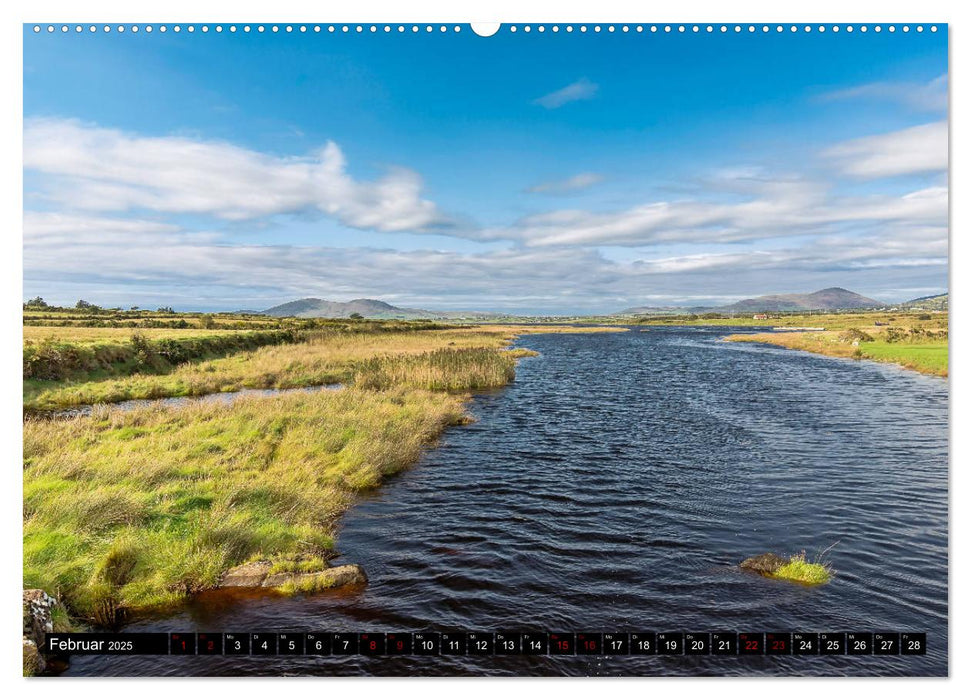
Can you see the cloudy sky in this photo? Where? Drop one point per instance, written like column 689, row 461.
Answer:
column 538, row 173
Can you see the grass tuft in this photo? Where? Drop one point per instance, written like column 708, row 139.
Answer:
column 799, row 570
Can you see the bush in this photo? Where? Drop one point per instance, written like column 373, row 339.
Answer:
column 855, row 334
column 895, row 335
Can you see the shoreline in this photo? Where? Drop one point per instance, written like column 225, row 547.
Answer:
column 905, row 356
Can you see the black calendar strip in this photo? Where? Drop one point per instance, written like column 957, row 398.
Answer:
column 492, row 643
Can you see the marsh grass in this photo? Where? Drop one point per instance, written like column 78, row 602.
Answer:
column 127, row 510
column 323, row 358
column 446, row 369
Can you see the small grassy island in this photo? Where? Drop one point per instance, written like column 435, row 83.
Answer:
column 796, row 568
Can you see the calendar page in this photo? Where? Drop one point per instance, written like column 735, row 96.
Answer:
column 512, row 349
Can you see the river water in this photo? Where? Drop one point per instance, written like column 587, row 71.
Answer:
column 614, row 486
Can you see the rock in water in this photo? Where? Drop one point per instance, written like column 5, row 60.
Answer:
column 37, row 625
column 763, row 563
column 257, row 575
column 250, row 575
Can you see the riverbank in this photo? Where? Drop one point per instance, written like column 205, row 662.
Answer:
column 126, row 510
column 925, row 354
column 135, row 509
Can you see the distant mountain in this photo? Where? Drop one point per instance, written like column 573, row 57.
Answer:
column 830, row 299
column 934, row 302
column 368, row 308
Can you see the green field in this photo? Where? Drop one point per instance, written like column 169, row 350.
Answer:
column 931, row 358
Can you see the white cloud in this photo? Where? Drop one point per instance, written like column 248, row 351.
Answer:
column 925, row 97
column 99, row 169
column 770, row 209
column 897, row 247
column 55, row 226
column 919, row 149
column 577, row 182
column 582, row 89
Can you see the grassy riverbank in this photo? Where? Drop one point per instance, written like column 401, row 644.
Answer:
column 923, row 353
column 125, row 510
column 131, row 510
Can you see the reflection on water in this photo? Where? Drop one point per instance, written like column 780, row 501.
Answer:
column 614, row 486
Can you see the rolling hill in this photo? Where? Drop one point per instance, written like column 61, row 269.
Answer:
column 934, row 302
column 368, row 308
column 830, row 299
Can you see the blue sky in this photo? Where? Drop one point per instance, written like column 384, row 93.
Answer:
column 539, row 173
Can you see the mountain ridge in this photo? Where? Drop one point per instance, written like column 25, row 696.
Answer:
column 829, row 299
column 312, row 307
column 931, row 302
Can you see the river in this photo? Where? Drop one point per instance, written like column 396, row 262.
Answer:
column 615, row 486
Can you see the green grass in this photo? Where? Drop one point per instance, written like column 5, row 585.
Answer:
column 799, row 570
column 928, row 357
